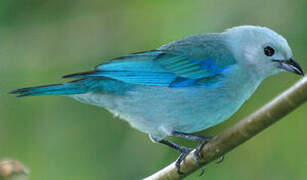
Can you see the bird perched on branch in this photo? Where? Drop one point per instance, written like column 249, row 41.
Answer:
column 184, row 86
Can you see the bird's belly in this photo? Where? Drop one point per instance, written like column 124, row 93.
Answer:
column 160, row 110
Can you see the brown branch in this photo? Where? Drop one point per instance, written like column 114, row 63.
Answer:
column 241, row 132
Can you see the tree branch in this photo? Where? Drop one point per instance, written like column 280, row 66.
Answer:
column 241, row 132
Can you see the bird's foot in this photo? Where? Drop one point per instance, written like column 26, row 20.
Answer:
column 197, row 153
column 202, row 143
column 184, row 152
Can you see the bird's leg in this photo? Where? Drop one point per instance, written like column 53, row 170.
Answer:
column 183, row 150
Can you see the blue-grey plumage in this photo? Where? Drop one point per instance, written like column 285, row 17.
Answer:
column 186, row 85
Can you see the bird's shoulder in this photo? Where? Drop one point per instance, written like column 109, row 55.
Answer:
column 202, row 47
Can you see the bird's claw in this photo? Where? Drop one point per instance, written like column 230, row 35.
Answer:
column 184, row 153
column 197, row 154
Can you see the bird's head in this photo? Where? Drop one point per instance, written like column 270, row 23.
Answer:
column 262, row 50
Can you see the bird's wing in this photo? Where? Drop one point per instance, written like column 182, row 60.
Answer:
column 162, row 68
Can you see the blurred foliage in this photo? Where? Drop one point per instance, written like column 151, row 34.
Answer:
column 59, row 138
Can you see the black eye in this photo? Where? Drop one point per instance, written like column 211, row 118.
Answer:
column 269, row 51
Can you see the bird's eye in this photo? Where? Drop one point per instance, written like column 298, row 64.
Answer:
column 269, row 51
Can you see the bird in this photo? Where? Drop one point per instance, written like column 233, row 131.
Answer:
column 184, row 86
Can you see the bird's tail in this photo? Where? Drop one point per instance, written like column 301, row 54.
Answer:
column 74, row 87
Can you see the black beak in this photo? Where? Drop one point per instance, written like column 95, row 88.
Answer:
column 292, row 66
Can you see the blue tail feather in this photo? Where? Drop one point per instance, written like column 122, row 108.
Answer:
column 57, row 89
column 74, row 87
column 98, row 85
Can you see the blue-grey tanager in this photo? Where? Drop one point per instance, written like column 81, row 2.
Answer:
column 184, row 86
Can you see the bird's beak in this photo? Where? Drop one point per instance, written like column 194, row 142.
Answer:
column 292, row 66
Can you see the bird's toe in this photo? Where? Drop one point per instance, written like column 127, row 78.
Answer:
column 183, row 155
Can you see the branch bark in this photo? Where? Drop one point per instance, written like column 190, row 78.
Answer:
column 241, row 132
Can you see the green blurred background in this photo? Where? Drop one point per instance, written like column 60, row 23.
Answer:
column 59, row 138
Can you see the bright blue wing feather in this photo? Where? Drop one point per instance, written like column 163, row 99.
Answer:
column 165, row 68
column 133, row 62
column 137, row 77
